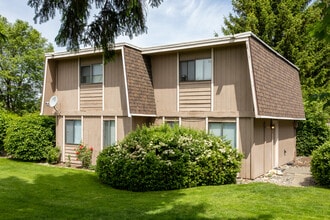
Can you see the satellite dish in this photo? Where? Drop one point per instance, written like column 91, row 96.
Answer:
column 53, row 101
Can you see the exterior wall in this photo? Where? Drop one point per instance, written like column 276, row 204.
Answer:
column 195, row 123
column 114, row 88
column 261, row 152
column 245, row 141
column 232, row 87
column 92, row 135
column 67, row 85
column 274, row 145
column 232, row 95
column 49, row 86
column 287, row 142
column 90, row 95
column 195, row 96
column 164, row 70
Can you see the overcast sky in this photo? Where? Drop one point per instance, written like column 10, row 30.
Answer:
column 174, row 21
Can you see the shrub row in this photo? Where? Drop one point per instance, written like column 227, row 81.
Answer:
column 5, row 120
column 165, row 158
column 29, row 138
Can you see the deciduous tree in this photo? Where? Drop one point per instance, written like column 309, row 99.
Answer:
column 21, row 66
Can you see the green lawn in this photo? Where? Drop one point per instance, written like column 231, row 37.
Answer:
column 34, row 191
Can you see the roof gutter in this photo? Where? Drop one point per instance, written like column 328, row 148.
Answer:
column 279, row 118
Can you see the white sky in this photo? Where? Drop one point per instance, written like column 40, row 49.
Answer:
column 174, row 21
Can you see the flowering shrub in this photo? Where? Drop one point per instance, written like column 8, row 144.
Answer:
column 164, row 158
column 84, row 154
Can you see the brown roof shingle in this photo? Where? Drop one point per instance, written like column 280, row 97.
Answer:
column 277, row 84
column 140, row 90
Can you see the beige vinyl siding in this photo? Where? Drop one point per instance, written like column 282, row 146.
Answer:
column 67, row 85
column 193, row 55
column 92, row 134
column 195, row 123
column 88, row 60
column 245, row 141
column 232, row 87
column 262, row 152
column 50, row 86
column 164, row 69
column 287, row 142
column 195, row 96
column 124, row 126
column 91, row 97
column 114, row 88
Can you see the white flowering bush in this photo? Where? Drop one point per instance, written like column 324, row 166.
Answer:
column 165, row 158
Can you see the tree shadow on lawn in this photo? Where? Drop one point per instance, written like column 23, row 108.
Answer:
column 79, row 195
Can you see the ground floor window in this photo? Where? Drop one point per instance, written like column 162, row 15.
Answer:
column 224, row 129
column 109, row 133
column 72, row 131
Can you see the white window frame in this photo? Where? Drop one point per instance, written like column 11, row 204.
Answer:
column 194, row 63
column 105, row 133
column 91, row 73
column 235, row 144
column 73, row 132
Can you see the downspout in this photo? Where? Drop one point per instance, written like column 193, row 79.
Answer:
column 125, row 79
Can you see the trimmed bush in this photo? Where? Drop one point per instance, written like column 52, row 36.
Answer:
column 53, row 155
column 29, row 137
column 165, row 158
column 320, row 164
column 5, row 119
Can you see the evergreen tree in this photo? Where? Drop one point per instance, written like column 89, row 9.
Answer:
column 288, row 26
column 116, row 17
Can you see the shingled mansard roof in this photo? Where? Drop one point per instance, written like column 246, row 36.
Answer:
column 275, row 83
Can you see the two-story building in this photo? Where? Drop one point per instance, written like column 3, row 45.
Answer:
column 234, row 86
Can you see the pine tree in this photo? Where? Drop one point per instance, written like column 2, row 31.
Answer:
column 115, row 17
column 289, row 27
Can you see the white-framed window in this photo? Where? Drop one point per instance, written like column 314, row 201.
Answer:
column 195, row 70
column 172, row 123
column 109, row 131
column 73, row 132
column 226, row 130
column 91, row 74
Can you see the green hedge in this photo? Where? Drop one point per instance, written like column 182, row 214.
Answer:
column 165, row 158
column 5, row 119
column 320, row 164
column 29, row 137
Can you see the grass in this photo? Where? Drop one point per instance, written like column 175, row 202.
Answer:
column 34, row 191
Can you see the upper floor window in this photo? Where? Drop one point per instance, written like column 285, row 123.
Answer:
column 91, row 73
column 195, row 70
